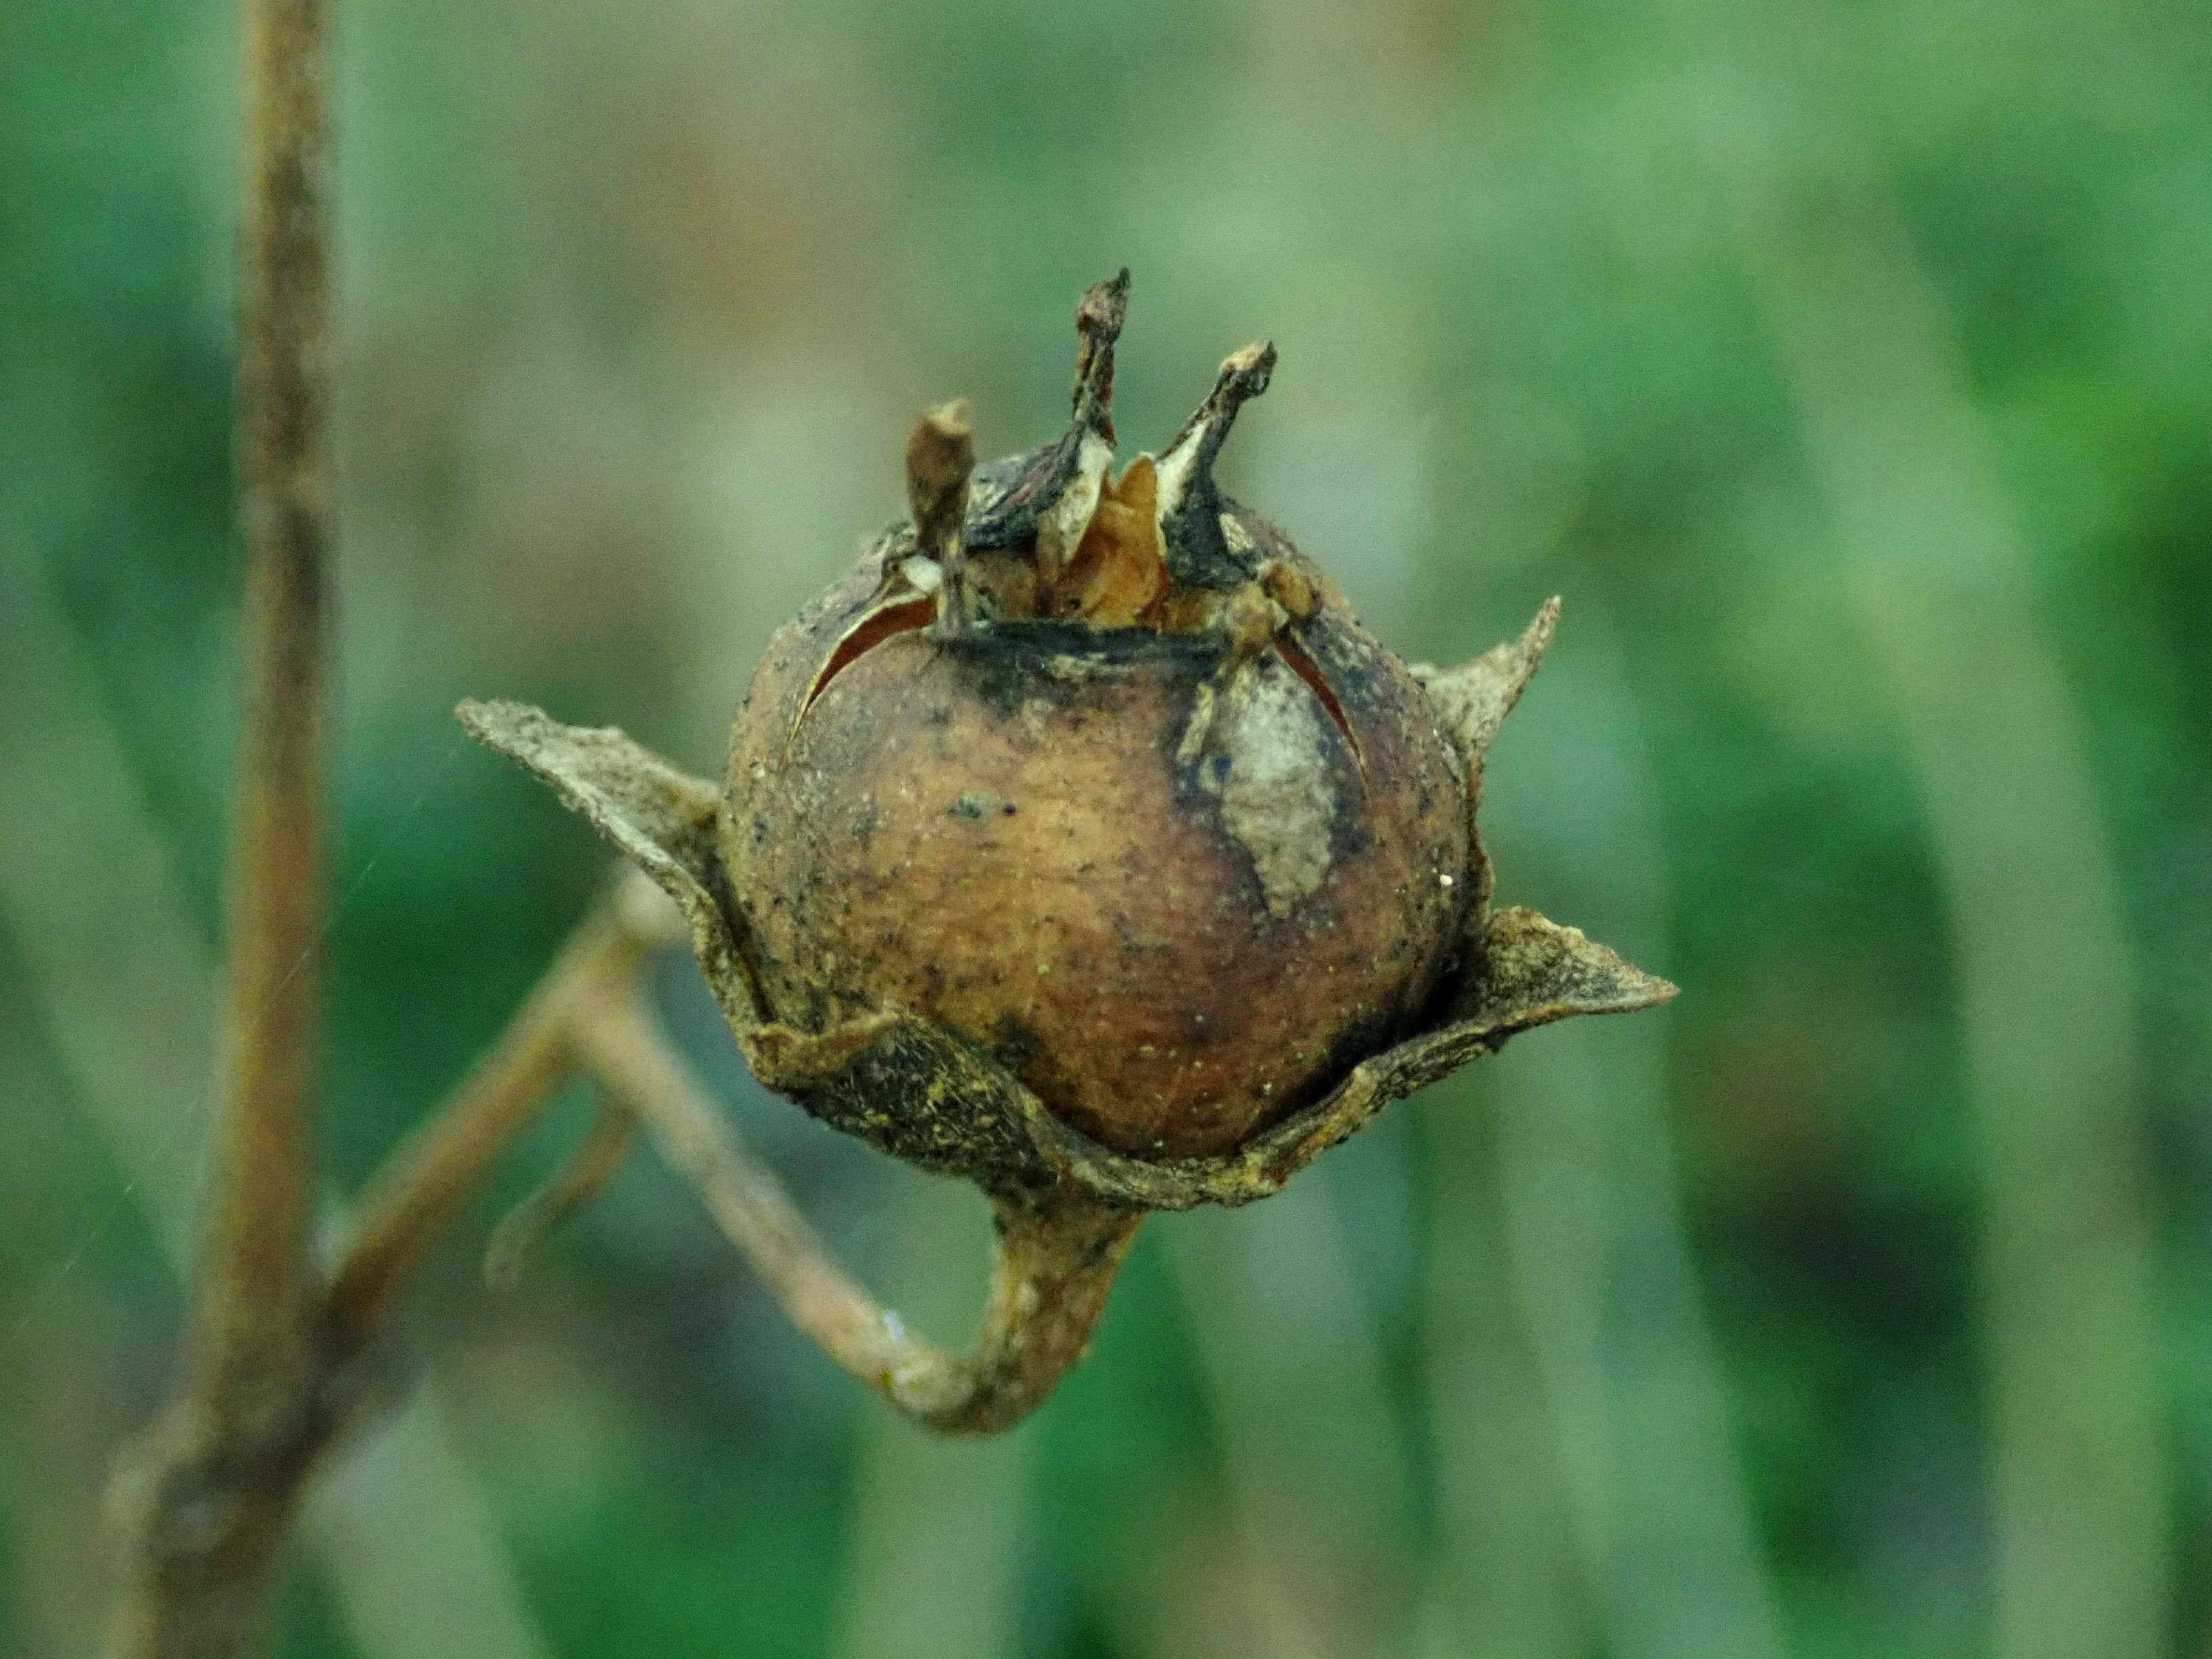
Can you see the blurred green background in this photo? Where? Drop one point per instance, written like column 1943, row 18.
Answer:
column 1846, row 367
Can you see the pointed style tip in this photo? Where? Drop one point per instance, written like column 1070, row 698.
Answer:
column 1188, row 459
column 1473, row 700
column 1518, row 660
column 1245, row 374
column 1105, row 306
column 939, row 455
column 1536, row 638
column 1098, row 321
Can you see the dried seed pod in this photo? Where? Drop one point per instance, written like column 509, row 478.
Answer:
column 1079, row 841
column 1173, row 856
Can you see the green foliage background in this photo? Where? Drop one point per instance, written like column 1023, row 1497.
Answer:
column 1846, row 367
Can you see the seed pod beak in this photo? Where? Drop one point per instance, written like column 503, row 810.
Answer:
column 1049, row 500
column 939, row 457
column 1188, row 459
column 1198, row 554
column 1098, row 322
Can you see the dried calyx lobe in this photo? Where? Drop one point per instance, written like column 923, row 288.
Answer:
column 1099, row 773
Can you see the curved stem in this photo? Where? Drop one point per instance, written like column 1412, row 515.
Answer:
column 1055, row 1262
column 1057, row 1253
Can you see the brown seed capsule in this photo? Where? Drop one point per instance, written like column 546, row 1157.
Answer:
column 1100, row 774
column 1080, row 843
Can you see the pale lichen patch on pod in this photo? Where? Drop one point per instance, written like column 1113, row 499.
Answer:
column 1263, row 752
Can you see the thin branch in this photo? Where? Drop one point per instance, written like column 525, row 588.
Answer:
column 211, row 1498
column 1056, row 1256
column 414, row 1198
column 256, row 1279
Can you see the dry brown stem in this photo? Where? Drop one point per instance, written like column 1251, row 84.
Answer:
column 1055, row 1259
column 217, row 1485
column 271, row 1375
column 257, row 1278
column 212, row 1495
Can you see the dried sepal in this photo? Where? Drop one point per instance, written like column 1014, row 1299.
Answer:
column 661, row 819
column 1473, row 700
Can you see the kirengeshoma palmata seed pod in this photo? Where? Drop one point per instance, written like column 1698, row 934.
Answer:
column 1080, row 841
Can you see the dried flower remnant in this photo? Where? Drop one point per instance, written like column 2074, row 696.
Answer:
column 1079, row 841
